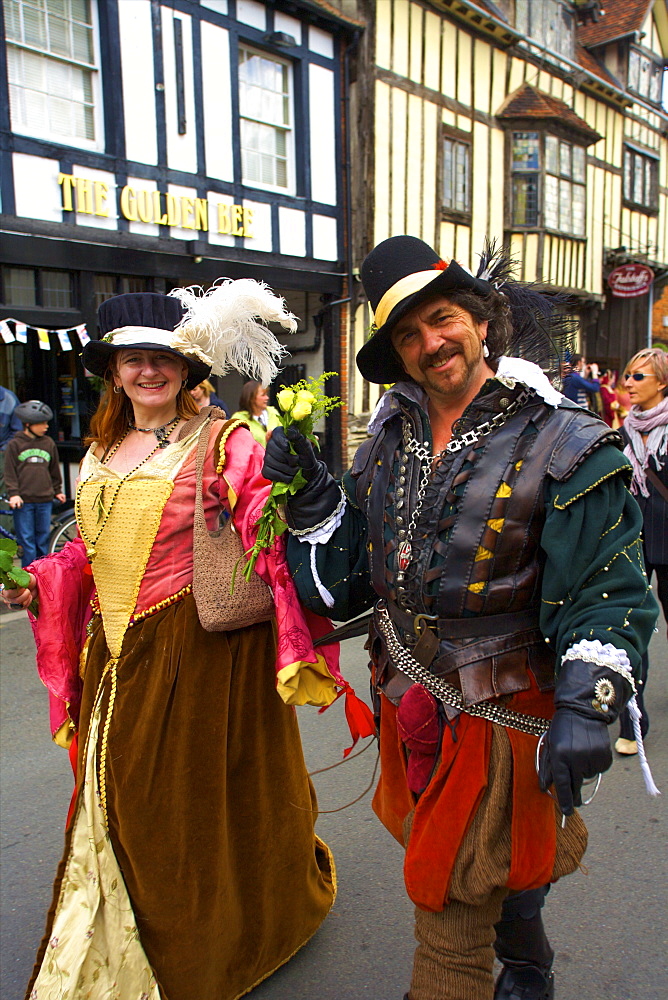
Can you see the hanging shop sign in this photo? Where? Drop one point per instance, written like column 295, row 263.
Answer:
column 91, row 197
column 14, row 330
column 630, row 280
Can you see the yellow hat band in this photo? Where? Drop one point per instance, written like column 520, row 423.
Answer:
column 401, row 290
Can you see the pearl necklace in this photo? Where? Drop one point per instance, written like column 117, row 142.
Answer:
column 104, row 513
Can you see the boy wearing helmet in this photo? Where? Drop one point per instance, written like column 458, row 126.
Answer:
column 32, row 479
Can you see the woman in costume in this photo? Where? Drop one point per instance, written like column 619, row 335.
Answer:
column 191, row 868
column 645, row 431
column 254, row 409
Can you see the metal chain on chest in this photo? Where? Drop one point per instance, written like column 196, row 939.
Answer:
column 422, row 452
column 447, row 693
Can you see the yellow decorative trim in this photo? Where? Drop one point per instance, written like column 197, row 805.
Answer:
column 483, row 553
column 504, row 490
column 496, row 523
column 477, row 588
column 303, row 683
column 232, row 426
column 567, row 503
column 613, row 526
column 150, row 611
column 399, row 291
column 518, row 465
column 110, row 668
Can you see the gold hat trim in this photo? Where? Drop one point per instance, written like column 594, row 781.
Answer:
column 401, row 290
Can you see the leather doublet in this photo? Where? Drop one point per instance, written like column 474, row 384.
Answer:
column 476, row 538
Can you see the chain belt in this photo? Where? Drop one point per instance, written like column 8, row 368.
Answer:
column 447, row 693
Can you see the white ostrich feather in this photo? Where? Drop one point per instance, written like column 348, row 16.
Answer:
column 220, row 327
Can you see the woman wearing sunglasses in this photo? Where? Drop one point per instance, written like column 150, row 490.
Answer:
column 645, row 431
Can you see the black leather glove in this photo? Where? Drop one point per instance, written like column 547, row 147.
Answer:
column 588, row 697
column 319, row 497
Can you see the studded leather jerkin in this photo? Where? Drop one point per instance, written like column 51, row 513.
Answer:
column 475, row 546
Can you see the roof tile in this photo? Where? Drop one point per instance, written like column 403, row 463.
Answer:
column 527, row 102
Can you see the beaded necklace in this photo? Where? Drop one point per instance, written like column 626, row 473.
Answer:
column 104, row 513
column 161, row 433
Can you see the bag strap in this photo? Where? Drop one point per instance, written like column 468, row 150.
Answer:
column 202, row 445
column 656, row 483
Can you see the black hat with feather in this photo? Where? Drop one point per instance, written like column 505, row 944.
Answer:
column 402, row 272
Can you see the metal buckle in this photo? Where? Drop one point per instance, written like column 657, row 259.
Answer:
column 423, row 621
column 595, row 781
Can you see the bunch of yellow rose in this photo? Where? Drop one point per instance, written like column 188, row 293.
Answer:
column 301, row 405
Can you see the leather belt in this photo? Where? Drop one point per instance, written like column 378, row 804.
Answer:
column 477, row 627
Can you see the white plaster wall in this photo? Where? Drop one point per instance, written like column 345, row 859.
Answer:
column 262, row 238
column 137, row 74
column 253, row 13
column 181, row 149
column 109, row 221
column 36, row 188
column 290, row 25
column 292, row 231
column 220, row 6
column 321, row 42
column 216, row 90
column 325, row 246
column 323, row 156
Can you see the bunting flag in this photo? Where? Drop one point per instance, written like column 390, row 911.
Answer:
column 6, row 333
column 20, row 334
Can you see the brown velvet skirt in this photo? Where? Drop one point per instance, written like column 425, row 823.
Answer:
column 211, row 811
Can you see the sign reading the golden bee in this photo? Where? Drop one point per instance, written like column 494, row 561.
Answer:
column 91, row 197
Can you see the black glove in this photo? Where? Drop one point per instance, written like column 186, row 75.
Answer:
column 319, row 497
column 588, row 697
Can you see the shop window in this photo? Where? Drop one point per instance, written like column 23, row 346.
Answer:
column 266, row 120
column 26, row 286
column 645, row 75
column 547, row 164
column 641, row 176
column 456, row 175
column 548, row 22
column 52, row 69
column 105, row 286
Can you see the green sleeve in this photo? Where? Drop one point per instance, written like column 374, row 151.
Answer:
column 594, row 583
column 342, row 565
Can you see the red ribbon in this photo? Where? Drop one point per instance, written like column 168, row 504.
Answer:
column 358, row 716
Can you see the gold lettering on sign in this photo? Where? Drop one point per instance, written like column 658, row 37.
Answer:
column 144, row 205
column 157, row 217
column 187, row 209
column 129, row 204
column 66, row 182
column 84, row 196
column 173, row 211
column 202, row 214
column 101, row 190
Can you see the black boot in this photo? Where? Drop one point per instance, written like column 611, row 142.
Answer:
column 524, row 982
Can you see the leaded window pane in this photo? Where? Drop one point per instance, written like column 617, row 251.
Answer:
column 565, row 221
column 551, row 202
column 579, row 209
column 526, row 154
column 579, row 169
column 19, row 285
column 56, row 289
column 551, row 154
column 525, row 200
column 565, row 159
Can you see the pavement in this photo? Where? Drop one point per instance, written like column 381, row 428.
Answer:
column 608, row 922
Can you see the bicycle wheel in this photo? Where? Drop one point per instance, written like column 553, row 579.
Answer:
column 63, row 533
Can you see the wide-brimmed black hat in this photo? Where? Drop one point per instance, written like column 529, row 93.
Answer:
column 143, row 320
column 398, row 275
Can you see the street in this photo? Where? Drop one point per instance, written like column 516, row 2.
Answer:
column 607, row 922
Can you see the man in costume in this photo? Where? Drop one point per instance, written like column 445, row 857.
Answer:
column 455, row 518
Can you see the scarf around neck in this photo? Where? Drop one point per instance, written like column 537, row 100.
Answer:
column 654, row 423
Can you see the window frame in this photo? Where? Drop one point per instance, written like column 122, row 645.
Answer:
column 565, row 181
column 290, row 188
column 44, row 134
column 526, row 9
column 650, row 207
column 656, row 66
column 465, row 141
column 38, row 274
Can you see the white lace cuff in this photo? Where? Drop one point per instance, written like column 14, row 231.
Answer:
column 593, row 651
column 320, row 534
